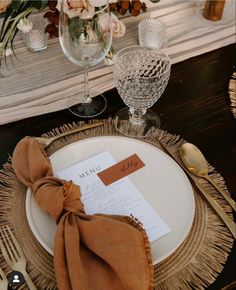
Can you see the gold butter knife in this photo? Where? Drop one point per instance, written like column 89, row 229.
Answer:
column 45, row 142
column 231, row 225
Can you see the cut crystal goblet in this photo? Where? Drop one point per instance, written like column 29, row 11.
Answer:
column 141, row 75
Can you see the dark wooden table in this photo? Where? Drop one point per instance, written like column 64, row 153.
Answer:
column 195, row 105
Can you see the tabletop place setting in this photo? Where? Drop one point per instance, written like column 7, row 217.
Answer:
column 102, row 193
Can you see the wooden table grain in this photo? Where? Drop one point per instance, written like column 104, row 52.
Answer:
column 195, row 105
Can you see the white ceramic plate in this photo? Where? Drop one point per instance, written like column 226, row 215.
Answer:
column 162, row 182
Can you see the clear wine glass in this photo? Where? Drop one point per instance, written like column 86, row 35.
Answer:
column 85, row 37
column 141, row 75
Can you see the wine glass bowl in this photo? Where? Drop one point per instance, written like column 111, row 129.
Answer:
column 141, row 75
column 85, row 40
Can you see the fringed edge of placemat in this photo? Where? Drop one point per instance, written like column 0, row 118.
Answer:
column 232, row 93
column 8, row 184
column 209, row 251
column 195, row 264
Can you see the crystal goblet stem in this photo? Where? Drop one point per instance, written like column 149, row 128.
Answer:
column 137, row 115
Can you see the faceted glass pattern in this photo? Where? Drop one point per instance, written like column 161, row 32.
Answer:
column 151, row 33
column 36, row 39
column 141, row 76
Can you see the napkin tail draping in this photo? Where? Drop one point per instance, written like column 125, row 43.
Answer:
column 91, row 252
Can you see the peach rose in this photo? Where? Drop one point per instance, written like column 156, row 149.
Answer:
column 76, row 4
column 118, row 27
column 4, row 4
column 74, row 8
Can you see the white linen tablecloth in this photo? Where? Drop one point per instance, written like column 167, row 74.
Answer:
column 39, row 83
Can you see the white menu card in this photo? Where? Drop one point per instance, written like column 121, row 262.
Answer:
column 120, row 197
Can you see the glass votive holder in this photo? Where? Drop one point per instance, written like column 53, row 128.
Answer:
column 36, row 39
column 151, row 33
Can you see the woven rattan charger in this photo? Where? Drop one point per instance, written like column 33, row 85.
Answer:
column 194, row 265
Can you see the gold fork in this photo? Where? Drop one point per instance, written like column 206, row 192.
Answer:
column 45, row 142
column 3, row 280
column 13, row 254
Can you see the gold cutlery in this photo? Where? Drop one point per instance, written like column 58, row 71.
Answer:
column 13, row 254
column 196, row 163
column 231, row 225
column 3, row 280
column 47, row 141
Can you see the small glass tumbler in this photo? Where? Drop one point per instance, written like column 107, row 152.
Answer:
column 152, row 33
column 36, row 39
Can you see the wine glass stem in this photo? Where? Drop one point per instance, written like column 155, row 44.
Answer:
column 87, row 98
column 137, row 115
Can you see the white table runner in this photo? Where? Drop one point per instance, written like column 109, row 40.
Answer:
column 42, row 82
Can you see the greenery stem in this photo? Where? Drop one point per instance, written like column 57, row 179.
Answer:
column 11, row 32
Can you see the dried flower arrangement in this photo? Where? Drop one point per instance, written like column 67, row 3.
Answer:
column 16, row 14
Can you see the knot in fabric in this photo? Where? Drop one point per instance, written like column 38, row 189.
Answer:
column 55, row 196
column 90, row 251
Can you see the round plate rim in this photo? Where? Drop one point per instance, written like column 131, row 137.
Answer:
column 29, row 194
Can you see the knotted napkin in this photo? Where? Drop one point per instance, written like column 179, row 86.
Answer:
column 91, row 252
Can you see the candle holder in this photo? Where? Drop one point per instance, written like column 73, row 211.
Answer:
column 36, row 39
column 152, row 33
column 216, row 12
column 213, row 10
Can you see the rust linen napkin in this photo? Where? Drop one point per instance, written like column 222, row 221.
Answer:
column 91, row 252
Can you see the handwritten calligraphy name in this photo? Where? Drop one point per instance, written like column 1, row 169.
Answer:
column 129, row 165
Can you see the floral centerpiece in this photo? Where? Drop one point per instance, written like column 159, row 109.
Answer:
column 16, row 14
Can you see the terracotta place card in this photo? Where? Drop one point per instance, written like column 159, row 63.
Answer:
column 121, row 169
